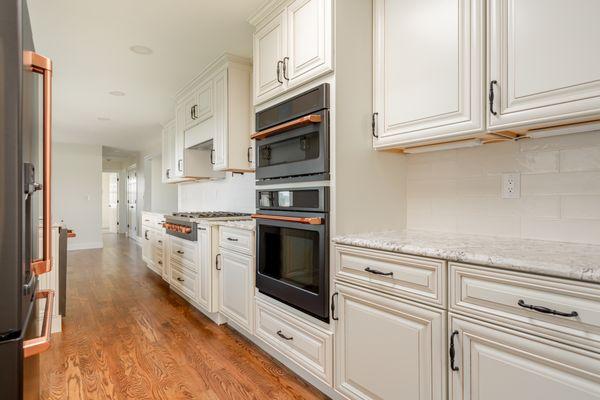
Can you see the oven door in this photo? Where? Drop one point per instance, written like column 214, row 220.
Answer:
column 301, row 150
column 293, row 260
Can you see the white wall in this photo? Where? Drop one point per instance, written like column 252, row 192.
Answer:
column 163, row 196
column 234, row 193
column 460, row 190
column 77, row 192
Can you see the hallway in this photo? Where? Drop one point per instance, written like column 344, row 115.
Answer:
column 127, row 336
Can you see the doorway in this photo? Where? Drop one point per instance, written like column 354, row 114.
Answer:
column 132, row 202
column 110, row 202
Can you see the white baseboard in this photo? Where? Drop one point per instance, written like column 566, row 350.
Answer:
column 84, row 246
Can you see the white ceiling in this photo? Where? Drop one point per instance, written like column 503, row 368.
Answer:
column 89, row 41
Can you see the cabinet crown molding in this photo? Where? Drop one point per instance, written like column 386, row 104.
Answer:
column 265, row 10
column 211, row 69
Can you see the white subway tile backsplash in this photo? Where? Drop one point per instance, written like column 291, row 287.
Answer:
column 460, row 190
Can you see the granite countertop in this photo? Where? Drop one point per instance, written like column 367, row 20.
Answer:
column 564, row 260
column 247, row 224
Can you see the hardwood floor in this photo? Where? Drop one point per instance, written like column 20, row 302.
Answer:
column 127, row 336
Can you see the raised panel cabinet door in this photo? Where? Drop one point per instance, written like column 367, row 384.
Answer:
column 544, row 62
column 388, row 349
column 269, row 49
column 428, row 70
column 221, row 134
column 179, row 149
column 190, row 104
column 236, row 287
column 205, row 269
column 204, row 103
column 309, row 40
column 147, row 245
column 498, row 364
column 166, row 155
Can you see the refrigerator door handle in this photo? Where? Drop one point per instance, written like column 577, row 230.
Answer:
column 43, row 66
column 40, row 344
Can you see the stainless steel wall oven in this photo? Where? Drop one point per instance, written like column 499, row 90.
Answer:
column 292, row 240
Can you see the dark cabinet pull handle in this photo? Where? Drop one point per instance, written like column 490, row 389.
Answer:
column 285, row 62
column 160, row 241
column 333, row 296
column 250, row 155
column 232, row 239
column 546, row 310
column 281, row 335
column 279, row 71
column 180, row 279
column 179, row 163
column 374, row 125
column 168, row 173
column 491, row 97
column 452, row 351
column 146, row 235
column 159, row 262
column 180, row 252
column 376, row 272
column 212, row 157
column 217, row 266
column 191, row 112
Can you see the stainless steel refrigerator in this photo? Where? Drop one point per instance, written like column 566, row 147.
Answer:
column 25, row 220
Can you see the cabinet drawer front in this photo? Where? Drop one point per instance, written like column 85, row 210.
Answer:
column 183, row 251
column 236, row 239
column 417, row 278
column 153, row 221
column 496, row 295
column 183, row 281
column 309, row 346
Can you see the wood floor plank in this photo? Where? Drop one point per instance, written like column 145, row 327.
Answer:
column 127, row 336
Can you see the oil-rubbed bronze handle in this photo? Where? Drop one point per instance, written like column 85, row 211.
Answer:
column 546, row 310
column 40, row 344
column 376, row 272
column 304, row 220
column 452, row 351
column 232, row 239
column 180, row 279
column 281, row 335
column 180, row 252
column 306, row 120
column 217, row 266
column 43, row 66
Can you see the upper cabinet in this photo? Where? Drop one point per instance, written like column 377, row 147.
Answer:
column 544, row 62
column 434, row 82
column 428, row 70
column 168, row 149
column 292, row 45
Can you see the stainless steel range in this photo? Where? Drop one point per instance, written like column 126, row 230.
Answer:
column 185, row 224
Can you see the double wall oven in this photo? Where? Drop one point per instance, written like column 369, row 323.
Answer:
column 292, row 217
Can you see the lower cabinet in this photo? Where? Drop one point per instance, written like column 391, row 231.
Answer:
column 494, row 363
column 236, row 287
column 386, row 348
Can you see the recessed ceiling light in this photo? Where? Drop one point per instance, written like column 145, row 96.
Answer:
column 103, row 119
column 143, row 50
column 117, row 93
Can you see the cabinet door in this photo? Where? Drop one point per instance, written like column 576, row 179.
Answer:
column 204, row 103
column 179, row 150
column 309, row 40
column 498, row 364
column 428, row 70
column 204, row 269
column 385, row 347
column 545, row 58
column 147, row 247
column 221, row 136
column 236, row 286
column 166, row 156
column 269, row 49
column 190, row 103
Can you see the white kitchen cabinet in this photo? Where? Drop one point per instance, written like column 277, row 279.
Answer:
column 292, row 45
column 498, row 364
column 168, row 152
column 205, row 270
column 386, row 348
column 428, row 70
column 544, row 63
column 236, row 288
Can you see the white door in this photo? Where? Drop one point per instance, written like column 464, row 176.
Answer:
column 309, row 40
column 105, row 209
column 388, row 349
column 113, row 202
column 428, row 70
column 220, row 140
column 236, row 287
column 545, row 60
column 204, row 269
column 132, row 202
column 496, row 364
column 269, row 49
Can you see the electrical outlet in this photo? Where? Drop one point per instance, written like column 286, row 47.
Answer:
column 511, row 186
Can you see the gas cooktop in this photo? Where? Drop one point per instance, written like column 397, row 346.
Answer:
column 210, row 214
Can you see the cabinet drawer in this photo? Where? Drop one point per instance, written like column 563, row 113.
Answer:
column 153, row 221
column 506, row 296
column 183, row 281
column 307, row 345
column 236, row 239
column 183, row 251
column 417, row 278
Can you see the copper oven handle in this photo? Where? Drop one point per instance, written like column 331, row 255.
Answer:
column 305, row 220
column 40, row 344
column 308, row 119
column 43, row 65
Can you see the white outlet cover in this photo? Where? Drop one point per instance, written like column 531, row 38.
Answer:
column 511, row 186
